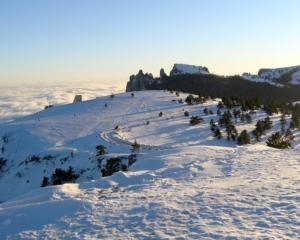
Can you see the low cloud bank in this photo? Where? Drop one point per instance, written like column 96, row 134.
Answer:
column 18, row 101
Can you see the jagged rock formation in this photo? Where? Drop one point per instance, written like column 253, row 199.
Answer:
column 181, row 69
column 77, row 98
column 162, row 73
column 143, row 81
column 139, row 82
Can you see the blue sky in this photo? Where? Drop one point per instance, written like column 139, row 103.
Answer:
column 107, row 40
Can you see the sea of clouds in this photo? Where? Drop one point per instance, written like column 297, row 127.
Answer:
column 18, row 101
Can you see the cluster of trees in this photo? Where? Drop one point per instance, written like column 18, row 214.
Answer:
column 240, row 102
column 219, row 86
column 190, row 99
column 60, row 176
column 117, row 164
column 226, row 122
column 242, row 109
column 261, row 127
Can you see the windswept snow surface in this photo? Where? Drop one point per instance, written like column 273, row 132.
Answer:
column 184, row 185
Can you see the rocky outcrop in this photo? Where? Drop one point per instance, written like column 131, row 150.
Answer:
column 143, row 81
column 181, row 69
column 139, row 82
column 162, row 73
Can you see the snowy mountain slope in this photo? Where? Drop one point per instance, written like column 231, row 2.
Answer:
column 277, row 76
column 184, row 184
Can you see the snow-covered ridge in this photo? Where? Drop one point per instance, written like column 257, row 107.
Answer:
column 179, row 69
column 277, row 76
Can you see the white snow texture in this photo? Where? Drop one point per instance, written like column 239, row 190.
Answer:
column 185, row 184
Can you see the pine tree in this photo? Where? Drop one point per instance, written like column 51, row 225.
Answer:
column 213, row 125
column 243, row 138
column 248, row 118
column 289, row 135
column 45, row 182
column 282, row 123
column 218, row 134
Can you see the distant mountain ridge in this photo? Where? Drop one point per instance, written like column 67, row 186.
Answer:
column 276, row 76
column 282, row 84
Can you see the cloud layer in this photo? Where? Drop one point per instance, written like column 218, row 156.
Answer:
column 17, row 101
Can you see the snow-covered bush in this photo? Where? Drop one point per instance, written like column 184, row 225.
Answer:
column 280, row 141
column 190, row 99
column 195, row 120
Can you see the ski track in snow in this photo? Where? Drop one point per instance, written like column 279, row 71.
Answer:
column 185, row 184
